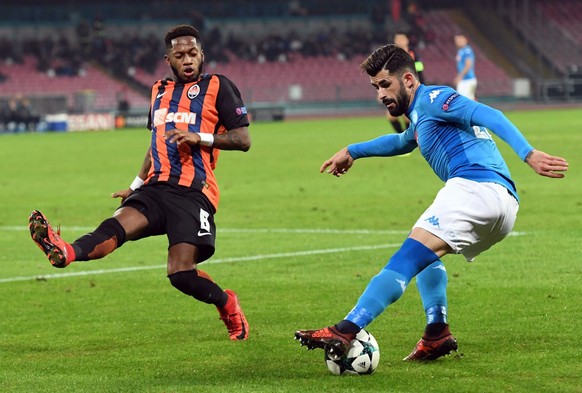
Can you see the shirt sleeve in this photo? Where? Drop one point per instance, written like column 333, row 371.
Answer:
column 150, row 125
column 232, row 111
column 496, row 121
column 384, row 146
column 448, row 106
column 452, row 107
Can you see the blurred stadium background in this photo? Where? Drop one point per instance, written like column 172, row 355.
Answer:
column 81, row 64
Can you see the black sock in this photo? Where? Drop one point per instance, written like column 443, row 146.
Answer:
column 200, row 287
column 435, row 330
column 347, row 327
column 108, row 236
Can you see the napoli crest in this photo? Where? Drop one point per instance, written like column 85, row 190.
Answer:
column 414, row 116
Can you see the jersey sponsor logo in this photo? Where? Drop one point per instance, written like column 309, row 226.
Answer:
column 241, row 111
column 200, row 233
column 449, row 100
column 193, row 91
column 160, row 95
column 434, row 94
column 162, row 116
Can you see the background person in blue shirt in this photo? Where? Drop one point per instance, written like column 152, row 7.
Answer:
column 465, row 81
column 475, row 209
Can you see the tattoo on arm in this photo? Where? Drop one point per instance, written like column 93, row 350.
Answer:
column 237, row 139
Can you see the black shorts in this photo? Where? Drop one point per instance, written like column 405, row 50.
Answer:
column 185, row 215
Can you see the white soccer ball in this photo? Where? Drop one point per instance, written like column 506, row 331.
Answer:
column 362, row 356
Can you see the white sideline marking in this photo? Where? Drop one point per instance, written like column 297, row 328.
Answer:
column 220, row 260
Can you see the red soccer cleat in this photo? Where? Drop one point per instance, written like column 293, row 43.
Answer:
column 48, row 240
column 433, row 349
column 329, row 339
column 234, row 318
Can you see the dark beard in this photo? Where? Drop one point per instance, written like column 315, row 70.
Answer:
column 401, row 103
column 179, row 79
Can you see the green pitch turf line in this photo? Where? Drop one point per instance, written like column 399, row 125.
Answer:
column 220, row 260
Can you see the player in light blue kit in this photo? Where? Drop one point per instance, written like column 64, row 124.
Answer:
column 465, row 81
column 474, row 210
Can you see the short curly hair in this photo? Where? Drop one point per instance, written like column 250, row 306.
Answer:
column 180, row 31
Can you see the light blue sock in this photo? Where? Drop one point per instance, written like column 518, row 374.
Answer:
column 432, row 286
column 384, row 289
column 388, row 285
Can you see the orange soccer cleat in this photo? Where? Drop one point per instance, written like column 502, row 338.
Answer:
column 234, row 318
column 48, row 240
column 329, row 339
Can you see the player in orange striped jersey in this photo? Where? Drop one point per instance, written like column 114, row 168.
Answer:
column 192, row 117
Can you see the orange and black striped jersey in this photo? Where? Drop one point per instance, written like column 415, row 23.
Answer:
column 210, row 105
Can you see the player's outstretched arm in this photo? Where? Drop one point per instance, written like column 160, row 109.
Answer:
column 547, row 165
column 139, row 180
column 339, row 163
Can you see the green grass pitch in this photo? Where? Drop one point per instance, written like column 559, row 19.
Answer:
column 298, row 247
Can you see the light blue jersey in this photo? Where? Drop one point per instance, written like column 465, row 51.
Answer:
column 463, row 54
column 449, row 130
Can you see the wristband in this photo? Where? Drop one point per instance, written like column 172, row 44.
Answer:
column 206, row 139
column 136, row 183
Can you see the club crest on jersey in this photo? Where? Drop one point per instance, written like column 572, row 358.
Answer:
column 193, row 91
column 449, row 100
column 414, row 117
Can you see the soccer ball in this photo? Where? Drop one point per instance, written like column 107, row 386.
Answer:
column 362, row 356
